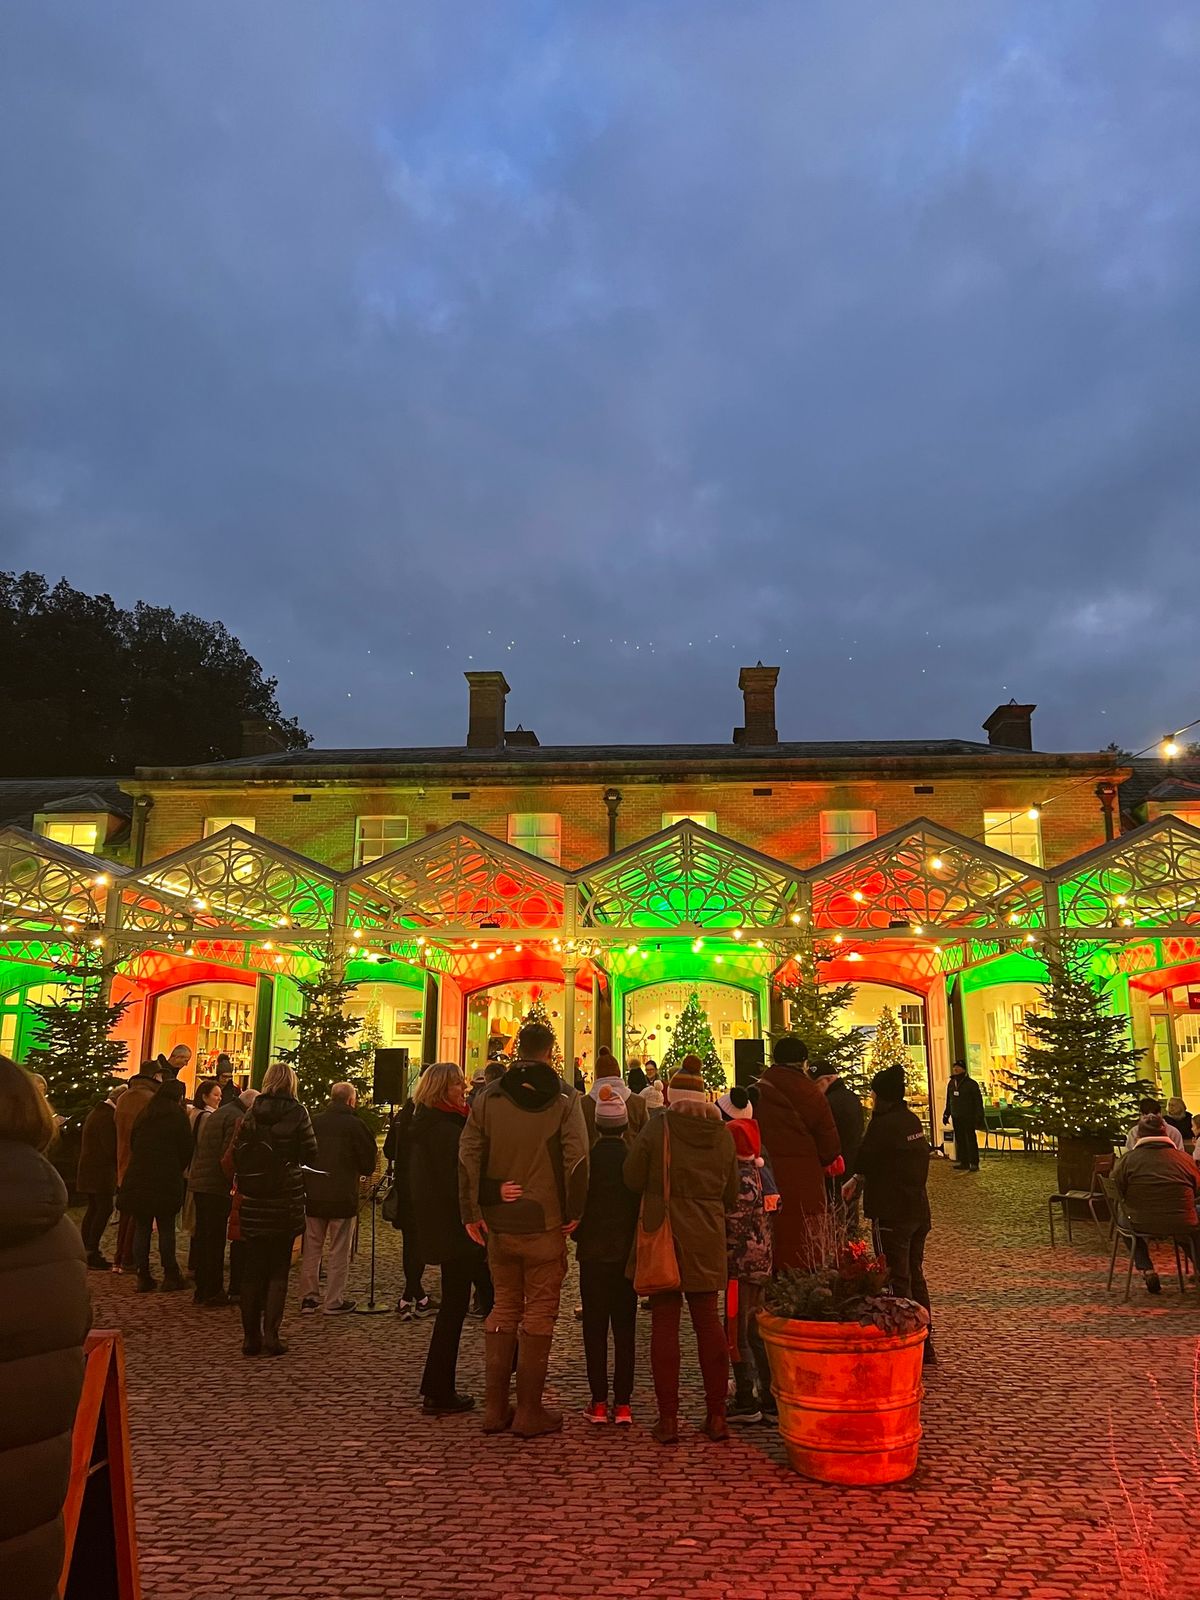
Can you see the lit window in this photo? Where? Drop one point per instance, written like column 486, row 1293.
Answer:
column 83, row 835
column 1185, row 813
column 378, row 836
column 538, row 833
column 704, row 819
column 845, row 830
column 1016, row 833
column 215, row 824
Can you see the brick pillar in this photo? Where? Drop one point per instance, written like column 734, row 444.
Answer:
column 758, row 690
column 485, row 725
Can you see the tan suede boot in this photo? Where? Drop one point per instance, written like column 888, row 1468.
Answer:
column 533, row 1358
column 498, row 1364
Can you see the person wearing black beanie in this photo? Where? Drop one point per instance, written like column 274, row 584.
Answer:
column 893, row 1166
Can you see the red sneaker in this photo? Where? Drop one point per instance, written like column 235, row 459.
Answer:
column 597, row 1412
column 623, row 1417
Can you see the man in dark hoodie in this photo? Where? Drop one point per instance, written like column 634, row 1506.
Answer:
column 523, row 1172
column 893, row 1164
column 964, row 1111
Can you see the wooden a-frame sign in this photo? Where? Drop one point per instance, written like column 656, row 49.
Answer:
column 100, row 1561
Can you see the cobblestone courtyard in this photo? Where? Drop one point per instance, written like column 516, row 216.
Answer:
column 317, row 1475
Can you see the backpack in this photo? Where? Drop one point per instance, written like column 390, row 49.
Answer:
column 260, row 1170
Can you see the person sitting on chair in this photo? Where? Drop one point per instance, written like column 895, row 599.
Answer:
column 1152, row 1108
column 1158, row 1186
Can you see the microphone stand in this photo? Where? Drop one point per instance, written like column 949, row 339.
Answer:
column 371, row 1309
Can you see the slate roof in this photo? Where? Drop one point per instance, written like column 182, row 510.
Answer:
column 21, row 799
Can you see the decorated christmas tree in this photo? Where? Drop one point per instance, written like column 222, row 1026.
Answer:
column 694, row 1037
column 76, row 1053
column 887, row 1050
column 1076, row 1075
column 814, row 1011
column 323, row 1054
column 538, row 1013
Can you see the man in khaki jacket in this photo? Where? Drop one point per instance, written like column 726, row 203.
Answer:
column 523, row 1174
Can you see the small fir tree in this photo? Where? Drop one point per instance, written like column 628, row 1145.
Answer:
column 1077, row 1072
column 538, row 1012
column 815, row 1009
column 888, row 1050
column 76, row 1053
column 322, row 1054
column 694, row 1037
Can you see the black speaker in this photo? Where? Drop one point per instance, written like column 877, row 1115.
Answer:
column 390, row 1087
column 749, row 1059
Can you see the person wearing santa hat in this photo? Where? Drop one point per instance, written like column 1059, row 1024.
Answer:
column 748, row 1242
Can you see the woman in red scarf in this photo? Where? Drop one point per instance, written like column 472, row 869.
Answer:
column 441, row 1110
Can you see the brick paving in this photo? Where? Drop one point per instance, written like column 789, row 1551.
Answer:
column 317, row 1476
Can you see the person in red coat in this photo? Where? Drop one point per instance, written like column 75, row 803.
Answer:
column 801, row 1138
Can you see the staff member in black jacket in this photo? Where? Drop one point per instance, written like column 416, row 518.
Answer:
column 893, row 1164
column 439, row 1114
column 964, row 1111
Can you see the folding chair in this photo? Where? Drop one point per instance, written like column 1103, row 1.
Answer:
column 1124, row 1234
column 1099, row 1192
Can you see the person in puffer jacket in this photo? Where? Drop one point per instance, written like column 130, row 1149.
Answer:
column 45, row 1313
column 273, row 1145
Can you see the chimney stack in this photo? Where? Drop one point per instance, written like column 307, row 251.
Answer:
column 260, row 737
column 758, row 688
column 485, row 725
column 1010, row 727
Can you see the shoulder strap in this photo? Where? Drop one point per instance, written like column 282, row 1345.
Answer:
column 666, row 1162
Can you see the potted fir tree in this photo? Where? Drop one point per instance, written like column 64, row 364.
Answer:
column 1076, row 1077
column 846, row 1364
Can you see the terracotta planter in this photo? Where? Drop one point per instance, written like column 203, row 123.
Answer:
column 849, row 1398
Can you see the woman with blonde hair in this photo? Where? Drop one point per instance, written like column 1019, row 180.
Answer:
column 273, row 1144
column 44, row 1316
column 441, row 1112
column 1179, row 1117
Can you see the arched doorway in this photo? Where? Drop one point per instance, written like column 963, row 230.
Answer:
column 19, row 1023
column 494, row 1013
column 651, row 1012
column 212, row 1017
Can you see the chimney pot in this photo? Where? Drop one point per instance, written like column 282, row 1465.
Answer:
column 758, row 689
column 485, row 723
column 1010, row 727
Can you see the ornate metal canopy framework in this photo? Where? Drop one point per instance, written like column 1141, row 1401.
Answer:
column 1149, row 878
column 458, row 879
column 458, row 894
column 687, row 877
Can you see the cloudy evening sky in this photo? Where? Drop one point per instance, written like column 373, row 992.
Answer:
column 618, row 343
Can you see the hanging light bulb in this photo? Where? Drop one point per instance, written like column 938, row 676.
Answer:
column 1169, row 747
column 356, row 934
column 858, row 895
column 1034, row 813
column 796, row 917
column 936, row 864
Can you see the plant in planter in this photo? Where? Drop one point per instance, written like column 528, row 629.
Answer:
column 846, row 1369
column 1076, row 1074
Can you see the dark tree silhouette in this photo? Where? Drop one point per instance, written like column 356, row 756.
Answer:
column 91, row 688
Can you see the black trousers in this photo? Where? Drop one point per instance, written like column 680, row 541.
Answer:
column 441, row 1360
column 609, row 1301
column 966, row 1142
column 212, row 1219
column 414, row 1265
column 95, row 1220
column 265, row 1265
column 904, row 1251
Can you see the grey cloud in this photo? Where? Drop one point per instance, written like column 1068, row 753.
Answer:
column 859, row 338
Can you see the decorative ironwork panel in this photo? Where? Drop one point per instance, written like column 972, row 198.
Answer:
column 457, row 877
column 687, row 875
column 234, row 879
column 1143, row 879
column 926, row 877
column 43, row 885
